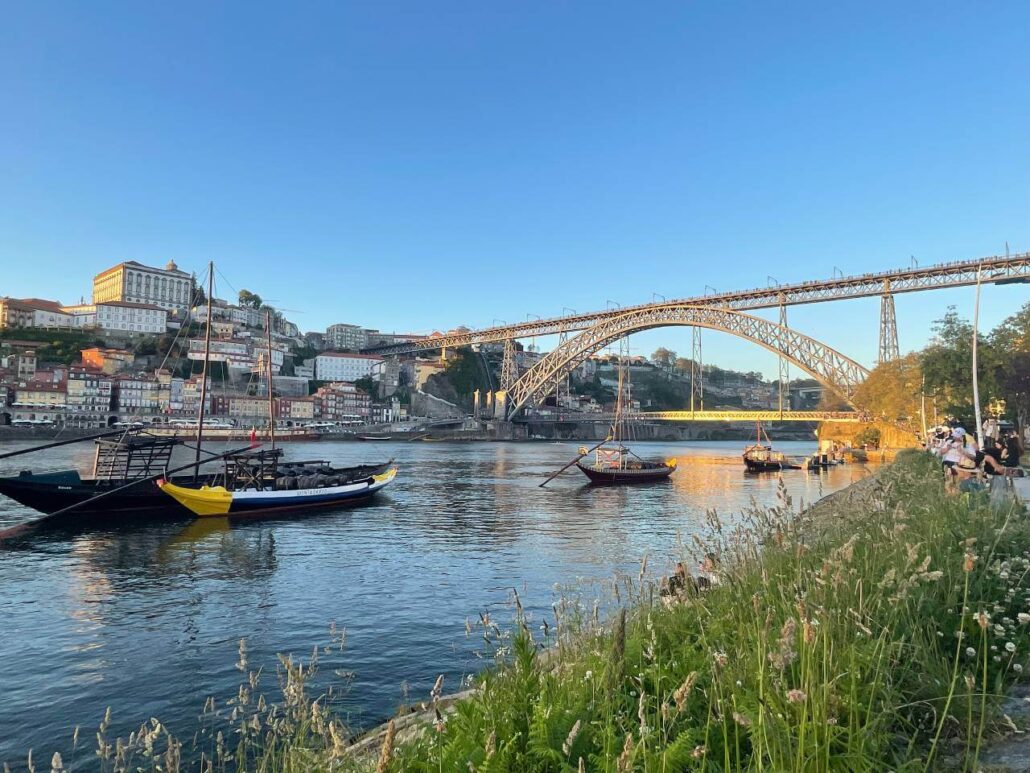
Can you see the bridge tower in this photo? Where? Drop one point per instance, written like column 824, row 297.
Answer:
column 697, row 378
column 509, row 366
column 888, row 326
column 784, row 363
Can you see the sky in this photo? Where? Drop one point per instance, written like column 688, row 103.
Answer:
column 413, row 166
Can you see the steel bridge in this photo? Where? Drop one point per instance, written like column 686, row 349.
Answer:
column 995, row 270
column 723, row 312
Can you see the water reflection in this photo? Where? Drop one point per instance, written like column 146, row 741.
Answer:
column 147, row 618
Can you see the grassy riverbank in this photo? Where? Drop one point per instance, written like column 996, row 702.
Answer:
column 879, row 630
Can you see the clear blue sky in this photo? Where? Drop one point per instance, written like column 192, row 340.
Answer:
column 420, row 165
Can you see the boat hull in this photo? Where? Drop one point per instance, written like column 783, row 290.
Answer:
column 616, row 476
column 753, row 465
column 219, row 502
column 50, row 492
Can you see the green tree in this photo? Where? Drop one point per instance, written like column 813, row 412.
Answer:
column 947, row 364
column 247, row 298
column 892, row 391
column 1011, row 341
column 368, row 385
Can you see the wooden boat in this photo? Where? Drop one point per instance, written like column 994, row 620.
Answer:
column 117, row 462
column 616, row 464
column 760, row 457
column 259, row 483
column 620, row 465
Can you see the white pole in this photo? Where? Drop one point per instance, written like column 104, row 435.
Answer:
column 976, row 379
column 922, row 411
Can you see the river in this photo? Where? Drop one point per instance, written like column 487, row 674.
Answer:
column 148, row 620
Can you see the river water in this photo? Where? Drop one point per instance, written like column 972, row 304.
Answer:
column 148, row 620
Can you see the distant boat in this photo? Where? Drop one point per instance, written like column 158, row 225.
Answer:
column 760, row 457
column 616, row 464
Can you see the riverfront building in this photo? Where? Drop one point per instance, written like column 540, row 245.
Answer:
column 340, row 366
column 133, row 282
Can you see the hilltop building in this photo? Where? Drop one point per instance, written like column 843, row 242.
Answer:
column 340, row 366
column 133, row 282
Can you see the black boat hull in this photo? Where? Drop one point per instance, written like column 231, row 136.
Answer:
column 50, row 492
column 615, row 476
column 753, row 465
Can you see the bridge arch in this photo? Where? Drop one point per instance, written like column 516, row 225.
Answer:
column 831, row 368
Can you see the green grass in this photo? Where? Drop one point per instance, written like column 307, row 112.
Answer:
column 877, row 633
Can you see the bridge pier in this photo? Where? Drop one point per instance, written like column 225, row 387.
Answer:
column 888, row 326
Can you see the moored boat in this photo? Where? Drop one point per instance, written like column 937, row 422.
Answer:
column 258, row 483
column 615, row 464
column 762, row 457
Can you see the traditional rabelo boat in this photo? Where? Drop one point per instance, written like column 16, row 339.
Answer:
column 761, row 457
column 261, row 482
column 613, row 462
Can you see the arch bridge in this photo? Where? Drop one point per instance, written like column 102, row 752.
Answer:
column 830, row 367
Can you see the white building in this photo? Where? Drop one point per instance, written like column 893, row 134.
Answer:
column 121, row 317
column 338, row 366
column 133, row 282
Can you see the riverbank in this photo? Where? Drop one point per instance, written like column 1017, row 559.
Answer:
column 880, row 629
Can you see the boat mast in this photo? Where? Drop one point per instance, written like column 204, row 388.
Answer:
column 207, row 357
column 268, row 372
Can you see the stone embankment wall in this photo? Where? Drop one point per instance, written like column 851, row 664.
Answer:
column 424, row 404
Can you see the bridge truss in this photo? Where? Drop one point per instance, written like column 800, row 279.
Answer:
column 830, row 367
column 994, row 270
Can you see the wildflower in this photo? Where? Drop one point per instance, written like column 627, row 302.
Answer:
column 970, row 682
column 1017, row 668
column 1010, row 647
column 698, row 752
column 831, row 721
column 721, row 658
column 796, row 696
column 785, row 655
column 970, row 652
column 1023, row 618
column 588, row 675
column 982, row 619
column 967, row 564
column 741, row 720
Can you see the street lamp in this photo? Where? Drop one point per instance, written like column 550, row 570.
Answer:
column 709, row 287
column 772, row 281
column 658, row 295
column 610, row 303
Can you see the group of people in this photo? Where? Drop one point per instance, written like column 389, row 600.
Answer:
column 962, row 457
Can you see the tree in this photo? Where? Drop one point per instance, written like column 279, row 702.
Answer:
column 892, row 391
column 947, row 364
column 247, row 298
column 1011, row 341
column 663, row 358
column 683, row 365
column 368, row 385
